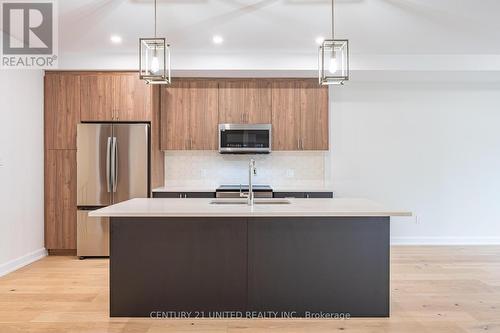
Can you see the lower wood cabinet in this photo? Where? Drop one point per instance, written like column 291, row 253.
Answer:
column 60, row 199
column 304, row 195
column 183, row 195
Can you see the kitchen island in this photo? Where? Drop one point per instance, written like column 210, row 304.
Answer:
column 194, row 258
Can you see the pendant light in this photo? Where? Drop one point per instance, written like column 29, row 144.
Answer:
column 154, row 59
column 333, row 61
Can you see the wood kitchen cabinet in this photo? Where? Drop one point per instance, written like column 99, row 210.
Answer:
column 60, row 199
column 313, row 116
column 245, row 101
column 286, row 115
column 131, row 98
column 115, row 97
column 74, row 97
column 299, row 115
column 189, row 115
column 62, row 110
column 96, row 98
column 303, row 195
column 183, row 195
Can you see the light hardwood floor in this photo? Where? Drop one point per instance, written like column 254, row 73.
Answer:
column 434, row 289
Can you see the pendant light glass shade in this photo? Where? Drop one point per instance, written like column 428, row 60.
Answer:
column 333, row 62
column 154, row 60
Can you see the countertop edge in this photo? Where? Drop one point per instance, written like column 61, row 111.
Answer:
column 339, row 214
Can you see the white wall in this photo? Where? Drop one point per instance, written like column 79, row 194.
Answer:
column 21, row 168
column 432, row 148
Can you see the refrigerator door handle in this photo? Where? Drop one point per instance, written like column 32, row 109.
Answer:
column 108, row 165
column 114, row 163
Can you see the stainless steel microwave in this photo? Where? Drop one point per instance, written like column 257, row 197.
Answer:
column 245, row 138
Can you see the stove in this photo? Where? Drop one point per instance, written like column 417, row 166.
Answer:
column 233, row 191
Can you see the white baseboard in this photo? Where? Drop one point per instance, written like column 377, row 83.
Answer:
column 17, row 263
column 445, row 241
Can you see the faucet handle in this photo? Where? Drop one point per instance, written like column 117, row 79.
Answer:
column 242, row 195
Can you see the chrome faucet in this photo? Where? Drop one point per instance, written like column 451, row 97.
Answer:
column 252, row 171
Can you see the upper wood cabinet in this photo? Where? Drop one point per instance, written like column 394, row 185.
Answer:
column 60, row 199
column 114, row 97
column 189, row 115
column 296, row 108
column 245, row 101
column 313, row 116
column 132, row 98
column 62, row 110
column 96, row 98
column 299, row 115
column 286, row 115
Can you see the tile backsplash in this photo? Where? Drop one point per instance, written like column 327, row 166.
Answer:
column 210, row 169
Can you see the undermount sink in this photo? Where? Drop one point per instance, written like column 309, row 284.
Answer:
column 243, row 201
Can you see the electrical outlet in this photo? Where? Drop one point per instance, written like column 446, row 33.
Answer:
column 290, row 173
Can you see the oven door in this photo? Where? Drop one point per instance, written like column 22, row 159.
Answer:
column 245, row 139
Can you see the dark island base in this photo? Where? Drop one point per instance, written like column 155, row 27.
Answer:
column 232, row 267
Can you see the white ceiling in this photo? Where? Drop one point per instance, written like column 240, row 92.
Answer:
column 285, row 27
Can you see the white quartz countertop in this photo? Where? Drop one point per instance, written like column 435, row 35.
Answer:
column 203, row 208
column 212, row 189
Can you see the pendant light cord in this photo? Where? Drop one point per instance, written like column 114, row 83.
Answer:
column 155, row 18
column 333, row 18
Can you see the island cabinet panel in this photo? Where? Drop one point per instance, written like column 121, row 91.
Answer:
column 177, row 264
column 189, row 115
column 96, row 98
column 288, row 265
column 286, row 115
column 314, row 116
column 60, row 199
column 329, row 265
column 299, row 115
column 115, row 97
column 61, row 110
column 245, row 101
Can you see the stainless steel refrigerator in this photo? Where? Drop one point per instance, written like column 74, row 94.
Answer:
column 112, row 166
